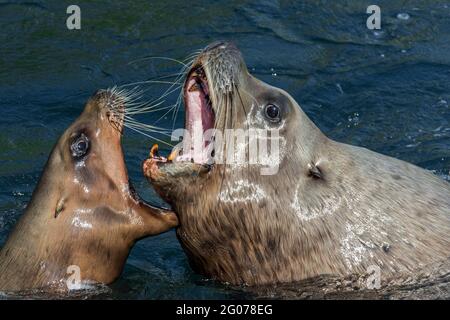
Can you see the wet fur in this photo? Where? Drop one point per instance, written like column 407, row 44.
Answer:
column 46, row 239
column 331, row 209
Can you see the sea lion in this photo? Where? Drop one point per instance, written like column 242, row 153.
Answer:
column 330, row 208
column 84, row 215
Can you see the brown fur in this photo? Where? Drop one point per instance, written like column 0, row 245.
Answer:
column 83, row 212
column 331, row 208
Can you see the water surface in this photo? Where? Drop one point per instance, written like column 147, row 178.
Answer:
column 388, row 90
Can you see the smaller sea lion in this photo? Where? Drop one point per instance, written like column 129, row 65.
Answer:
column 84, row 215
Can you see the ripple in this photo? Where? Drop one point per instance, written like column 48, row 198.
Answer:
column 403, row 16
column 396, row 82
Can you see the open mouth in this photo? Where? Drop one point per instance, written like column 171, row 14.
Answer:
column 115, row 111
column 197, row 146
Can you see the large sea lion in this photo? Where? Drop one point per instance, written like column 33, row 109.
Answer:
column 330, row 208
column 84, row 215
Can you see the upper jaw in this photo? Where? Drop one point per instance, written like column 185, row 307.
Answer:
column 194, row 152
column 201, row 94
column 199, row 117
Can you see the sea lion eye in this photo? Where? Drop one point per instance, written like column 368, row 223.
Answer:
column 80, row 146
column 272, row 112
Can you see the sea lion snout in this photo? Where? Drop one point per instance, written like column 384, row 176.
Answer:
column 228, row 64
column 108, row 105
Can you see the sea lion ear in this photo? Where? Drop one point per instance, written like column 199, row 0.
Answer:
column 59, row 206
column 314, row 171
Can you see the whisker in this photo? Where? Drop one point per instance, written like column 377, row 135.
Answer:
column 148, row 81
column 144, row 107
column 149, row 136
column 156, row 57
column 136, row 105
column 167, row 93
column 144, row 129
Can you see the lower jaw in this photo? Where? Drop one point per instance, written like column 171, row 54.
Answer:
column 199, row 118
column 177, row 156
column 168, row 172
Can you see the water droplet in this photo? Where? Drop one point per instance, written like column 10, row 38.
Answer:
column 442, row 103
column 403, row 16
column 353, row 119
column 378, row 34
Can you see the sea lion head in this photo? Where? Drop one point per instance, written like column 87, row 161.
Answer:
column 237, row 221
column 89, row 163
column 84, row 211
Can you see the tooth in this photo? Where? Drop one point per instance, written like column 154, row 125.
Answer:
column 154, row 151
column 173, row 154
column 194, row 87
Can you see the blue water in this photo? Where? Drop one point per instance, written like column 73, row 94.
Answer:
column 387, row 90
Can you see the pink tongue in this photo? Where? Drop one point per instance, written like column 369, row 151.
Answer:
column 199, row 119
column 194, row 109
